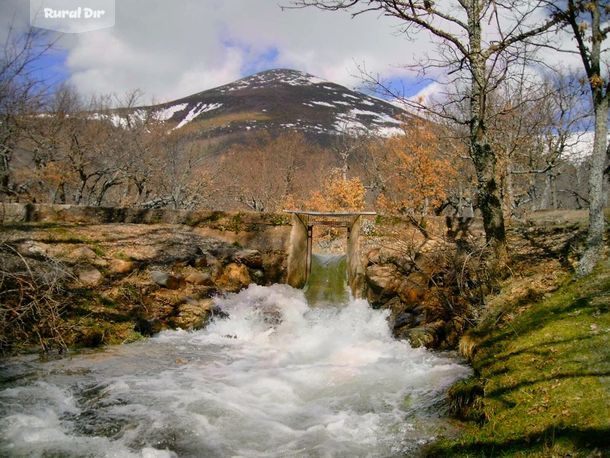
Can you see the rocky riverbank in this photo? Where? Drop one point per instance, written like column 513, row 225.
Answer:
column 67, row 285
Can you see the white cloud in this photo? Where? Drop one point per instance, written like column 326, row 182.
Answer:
column 171, row 49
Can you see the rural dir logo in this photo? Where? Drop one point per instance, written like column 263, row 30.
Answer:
column 72, row 16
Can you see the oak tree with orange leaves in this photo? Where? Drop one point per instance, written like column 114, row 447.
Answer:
column 338, row 193
column 418, row 171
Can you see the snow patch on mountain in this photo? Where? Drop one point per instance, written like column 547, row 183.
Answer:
column 323, row 104
column 167, row 113
column 196, row 111
column 117, row 120
column 274, row 77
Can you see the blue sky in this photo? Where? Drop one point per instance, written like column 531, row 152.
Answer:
column 52, row 68
column 168, row 51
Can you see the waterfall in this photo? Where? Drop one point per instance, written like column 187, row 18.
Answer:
column 327, row 282
column 277, row 378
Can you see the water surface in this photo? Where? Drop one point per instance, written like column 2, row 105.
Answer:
column 276, row 379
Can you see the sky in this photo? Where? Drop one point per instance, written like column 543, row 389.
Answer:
column 169, row 49
column 172, row 48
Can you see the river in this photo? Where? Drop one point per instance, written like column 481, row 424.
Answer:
column 278, row 378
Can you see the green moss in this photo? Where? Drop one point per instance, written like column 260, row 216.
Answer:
column 98, row 250
column 546, row 379
column 133, row 336
column 236, row 223
column 278, row 219
column 122, row 256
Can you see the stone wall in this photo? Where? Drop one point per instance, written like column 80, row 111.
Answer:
column 264, row 231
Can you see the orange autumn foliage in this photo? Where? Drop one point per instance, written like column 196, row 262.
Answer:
column 337, row 194
column 419, row 171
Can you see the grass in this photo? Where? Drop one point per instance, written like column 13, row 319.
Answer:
column 543, row 379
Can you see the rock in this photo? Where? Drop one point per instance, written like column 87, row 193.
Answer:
column 383, row 283
column 199, row 278
column 251, row 258
column 119, row 266
column 404, row 319
column 90, row 276
column 214, row 264
column 373, row 256
column 222, row 253
column 274, row 267
column 90, row 337
column 148, row 327
column 218, row 312
column 83, row 253
column 383, row 277
column 181, row 254
column 421, row 336
column 166, row 280
column 32, row 248
column 410, row 294
column 201, row 261
column 193, row 314
column 258, row 275
column 234, row 277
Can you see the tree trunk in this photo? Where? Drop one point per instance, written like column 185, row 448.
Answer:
column 595, row 236
column 483, row 157
column 490, row 202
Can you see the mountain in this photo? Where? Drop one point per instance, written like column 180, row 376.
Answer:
column 277, row 100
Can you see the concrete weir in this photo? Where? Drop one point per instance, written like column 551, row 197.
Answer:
column 301, row 243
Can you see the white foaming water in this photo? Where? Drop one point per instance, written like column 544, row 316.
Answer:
column 275, row 379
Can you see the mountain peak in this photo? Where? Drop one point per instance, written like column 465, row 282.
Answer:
column 278, row 76
column 277, row 100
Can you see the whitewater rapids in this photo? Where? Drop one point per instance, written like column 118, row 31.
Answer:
column 275, row 379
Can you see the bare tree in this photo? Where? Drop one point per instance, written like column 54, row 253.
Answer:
column 264, row 173
column 534, row 126
column 181, row 178
column 478, row 40
column 21, row 93
column 588, row 22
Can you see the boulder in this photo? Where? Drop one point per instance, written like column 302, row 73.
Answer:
column 178, row 254
column 258, row 276
column 383, row 283
column 421, row 336
column 411, row 294
column 83, row 253
column 33, row 248
column 251, row 258
column 274, row 267
column 383, row 277
column 404, row 319
column 119, row 266
column 214, row 264
column 199, row 278
column 90, row 276
column 234, row 277
column 166, row 280
column 193, row 314
column 427, row 335
column 148, row 327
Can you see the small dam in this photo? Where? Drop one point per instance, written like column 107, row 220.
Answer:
column 300, row 252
